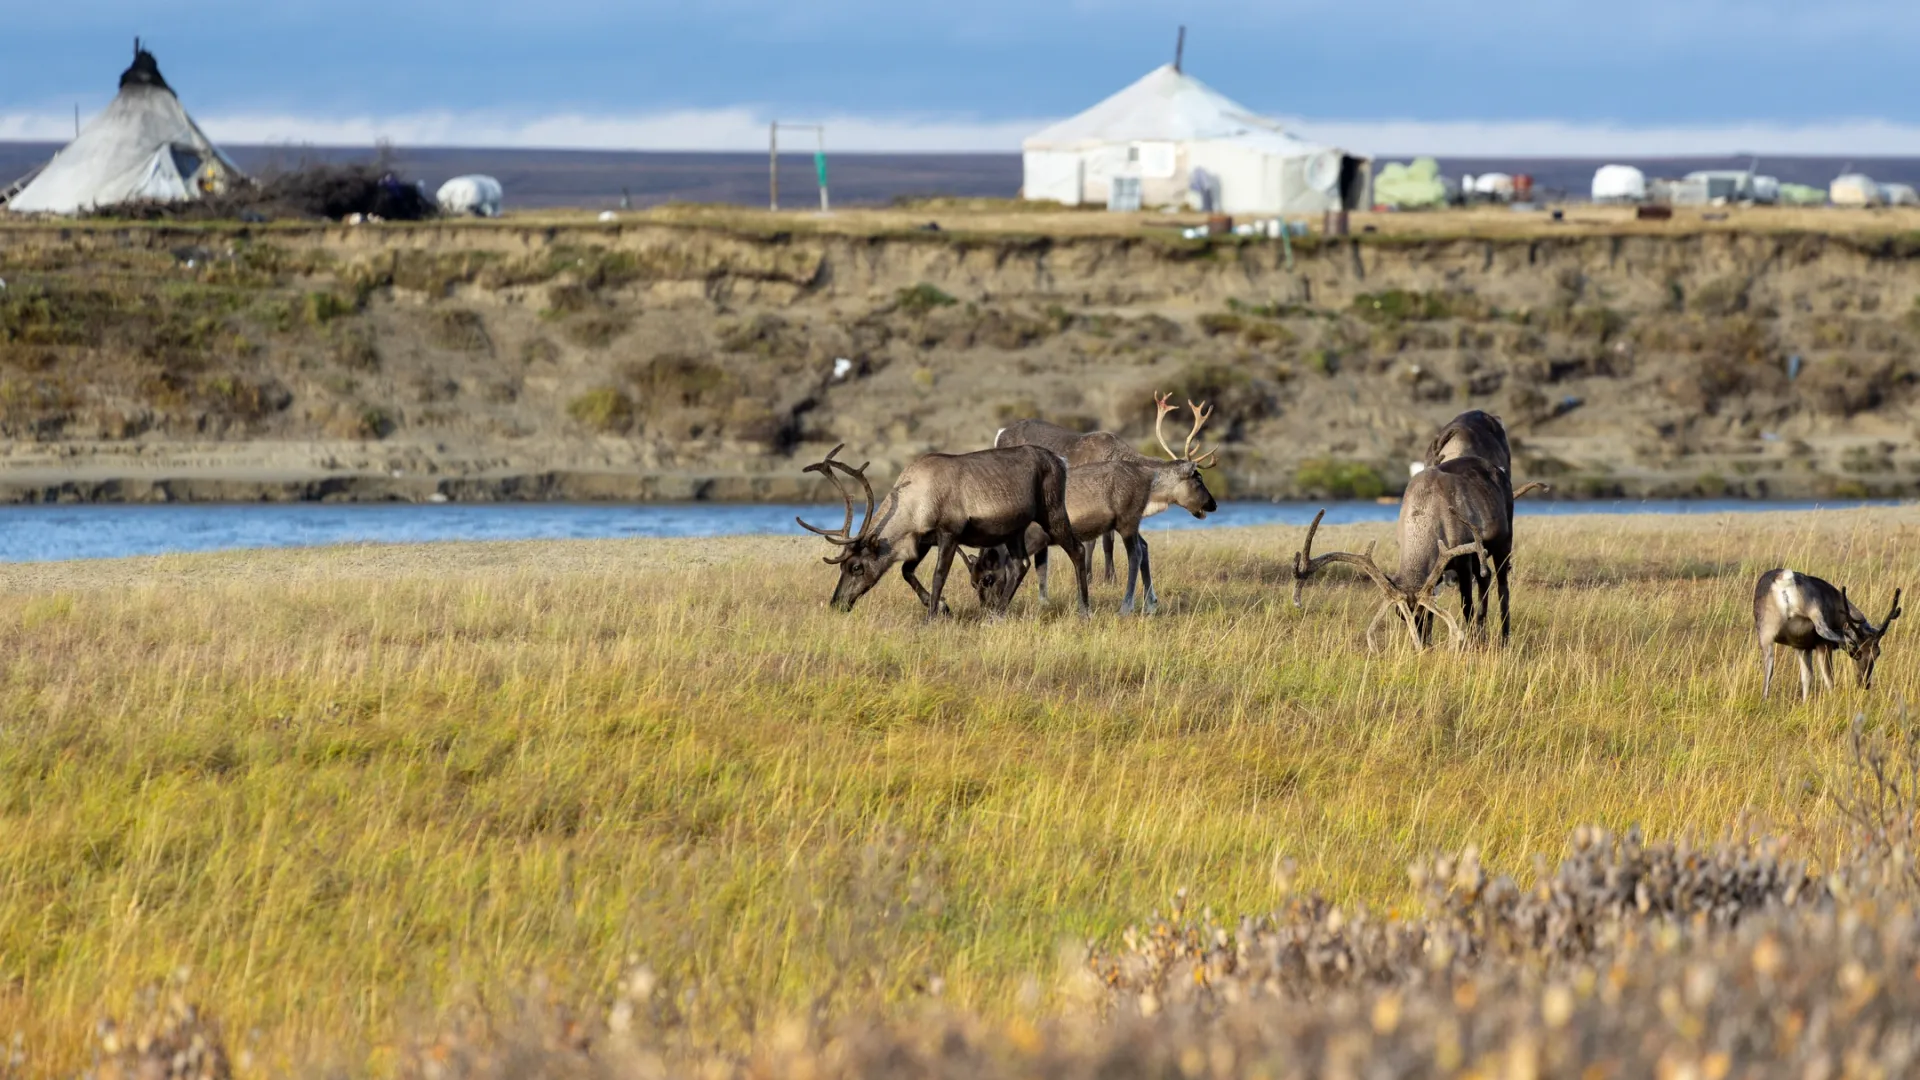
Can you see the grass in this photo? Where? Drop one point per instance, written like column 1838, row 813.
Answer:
column 338, row 785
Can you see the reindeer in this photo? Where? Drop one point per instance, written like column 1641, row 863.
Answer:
column 941, row 501
column 1480, row 434
column 1812, row 617
column 1104, row 497
column 1451, row 521
column 1097, row 446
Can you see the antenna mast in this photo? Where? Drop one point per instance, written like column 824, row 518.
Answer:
column 1179, row 48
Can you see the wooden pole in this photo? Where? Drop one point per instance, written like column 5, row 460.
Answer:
column 773, row 165
column 1180, row 49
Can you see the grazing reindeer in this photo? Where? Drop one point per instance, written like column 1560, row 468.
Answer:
column 1812, row 617
column 1096, row 446
column 941, row 501
column 1479, row 434
column 1451, row 521
column 1104, row 497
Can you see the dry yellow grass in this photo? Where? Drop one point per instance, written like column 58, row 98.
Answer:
column 337, row 785
column 981, row 218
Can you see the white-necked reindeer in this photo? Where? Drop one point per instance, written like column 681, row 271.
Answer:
column 1812, row 617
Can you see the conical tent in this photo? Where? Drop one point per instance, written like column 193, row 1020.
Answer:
column 1168, row 133
column 144, row 146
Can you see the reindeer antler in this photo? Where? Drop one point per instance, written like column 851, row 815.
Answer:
column 844, row 535
column 1306, row 563
column 1892, row 614
column 1531, row 485
column 1160, row 402
column 1201, row 414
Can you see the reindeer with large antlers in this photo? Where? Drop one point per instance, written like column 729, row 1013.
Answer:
column 1098, row 446
column 1452, row 519
column 1813, row 618
column 1479, row 434
column 983, row 499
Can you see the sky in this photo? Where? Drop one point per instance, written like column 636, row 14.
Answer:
column 1546, row 77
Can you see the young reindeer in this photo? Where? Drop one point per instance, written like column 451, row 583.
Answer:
column 1451, row 519
column 941, row 501
column 1097, row 446
column 1811, row 617
column 1105, row 498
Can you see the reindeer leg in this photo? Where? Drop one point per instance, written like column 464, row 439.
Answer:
column 1766, row 668
column 1806, row 673
column 948, row 545
column 1826, row 667
column 1060, row 532
column 1146, row 574
column 1106, row 545
column 907, row 569
column 1470, row 584
column 1040, row 567
column 1133, row 573
column 1506, row 597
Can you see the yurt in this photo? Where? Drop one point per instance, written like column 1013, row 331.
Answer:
column 1853, row 189
column 144, row 146
column 1619, row 183
column 1169, row 134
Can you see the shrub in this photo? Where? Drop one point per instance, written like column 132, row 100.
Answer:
column 598, row 330
column 673, row 379
column 604, row 410
column 1721, row 297
column 459, row 331
column 922, row 298
column 321, row 308
column 1400, row 305
column 1339, row 479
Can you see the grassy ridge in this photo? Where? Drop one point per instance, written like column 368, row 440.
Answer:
column 337, row 785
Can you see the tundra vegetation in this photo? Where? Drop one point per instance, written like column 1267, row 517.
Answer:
column 644, row 808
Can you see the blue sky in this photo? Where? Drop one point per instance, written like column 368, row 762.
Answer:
column 976, row 75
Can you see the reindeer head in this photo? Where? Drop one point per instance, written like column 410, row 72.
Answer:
column 1863, row 638
column 1181, row 485
column 996, row 576
column 1406, row 599
column 864, row 556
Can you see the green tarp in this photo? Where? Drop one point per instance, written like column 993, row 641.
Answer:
column 1409, row 186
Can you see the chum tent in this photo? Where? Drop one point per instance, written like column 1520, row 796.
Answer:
column 1169, row 133
column 144, row 146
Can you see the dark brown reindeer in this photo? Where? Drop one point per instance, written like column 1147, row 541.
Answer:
column 1813, row 618
column 1477, row 433
column 1452, row 519
column 1102, row 498
column 1098, row 446
column 941, row 501
column 1480, row 434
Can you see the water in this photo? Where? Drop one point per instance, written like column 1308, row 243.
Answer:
column 36, row 533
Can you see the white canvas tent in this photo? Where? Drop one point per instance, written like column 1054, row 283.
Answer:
column 1169, row 124
column 144, row 146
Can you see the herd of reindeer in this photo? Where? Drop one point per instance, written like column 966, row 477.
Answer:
column 1044, row 486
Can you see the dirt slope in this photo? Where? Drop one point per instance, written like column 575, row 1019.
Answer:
column 655, row 358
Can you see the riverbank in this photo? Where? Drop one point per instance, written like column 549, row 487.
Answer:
column 707, row 353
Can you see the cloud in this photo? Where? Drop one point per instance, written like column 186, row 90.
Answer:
column 744, row 128
column 689, row 129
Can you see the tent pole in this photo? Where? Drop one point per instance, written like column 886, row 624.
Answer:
column 1180, row 49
